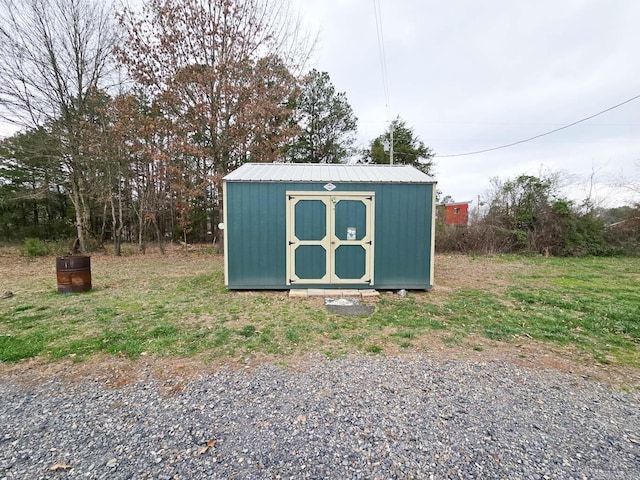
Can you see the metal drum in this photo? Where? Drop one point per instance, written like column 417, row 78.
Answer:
column 74, row 273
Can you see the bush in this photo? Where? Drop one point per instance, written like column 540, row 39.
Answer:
column 480, row 238
column 34, row 247
column 624, row 237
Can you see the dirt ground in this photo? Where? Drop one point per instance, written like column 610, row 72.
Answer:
column 453, row 272
column 115, row 372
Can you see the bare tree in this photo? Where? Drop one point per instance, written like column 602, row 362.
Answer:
column 55, row 62
column 223, row 73
column 630, row 184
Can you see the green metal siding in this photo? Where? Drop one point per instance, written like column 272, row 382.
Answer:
column 403, row 236
column 256, row 233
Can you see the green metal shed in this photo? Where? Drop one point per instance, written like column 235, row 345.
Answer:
column 328, row 226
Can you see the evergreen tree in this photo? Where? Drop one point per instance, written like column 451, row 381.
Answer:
column 327, row 122
column 33, row 197
column 408, row 149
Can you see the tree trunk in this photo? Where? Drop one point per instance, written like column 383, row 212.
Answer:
column 80, row 230
column 159, row 235
column 104, row 224
column 141, row 245
column 117, row 231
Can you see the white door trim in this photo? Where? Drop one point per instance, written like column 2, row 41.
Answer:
column 330, row 242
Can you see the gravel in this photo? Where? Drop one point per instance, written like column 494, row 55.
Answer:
column 364, row 417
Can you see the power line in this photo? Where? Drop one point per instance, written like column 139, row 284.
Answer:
column 542, row 134
column 382, row 54
column 385, row 76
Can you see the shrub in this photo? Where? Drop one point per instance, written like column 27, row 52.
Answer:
column 34, row 247
column 624, row 237
column 480, row 238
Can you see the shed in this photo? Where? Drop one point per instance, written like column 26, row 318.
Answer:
column 328, row 226
column 457, row 213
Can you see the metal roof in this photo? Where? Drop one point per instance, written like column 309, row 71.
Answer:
column 322, row 172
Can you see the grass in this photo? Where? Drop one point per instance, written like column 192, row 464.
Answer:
column 176, row 305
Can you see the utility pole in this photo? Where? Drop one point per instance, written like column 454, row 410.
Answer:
column 391, row 148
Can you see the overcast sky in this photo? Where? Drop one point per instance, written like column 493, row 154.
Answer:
column 469, row 75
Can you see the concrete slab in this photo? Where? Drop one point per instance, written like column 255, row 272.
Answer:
column 332, row 293
column 369, row 293
column 350, row 293
column 298, row 293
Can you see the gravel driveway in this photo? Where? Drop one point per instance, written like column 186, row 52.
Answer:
column 361, row 417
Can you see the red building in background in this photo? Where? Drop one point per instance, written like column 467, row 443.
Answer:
column 456, row 213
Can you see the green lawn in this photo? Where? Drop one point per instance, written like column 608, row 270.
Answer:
column 176, row 305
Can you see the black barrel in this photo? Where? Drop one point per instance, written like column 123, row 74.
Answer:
column 74, row 273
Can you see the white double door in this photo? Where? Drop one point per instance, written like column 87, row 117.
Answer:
column 330, row 238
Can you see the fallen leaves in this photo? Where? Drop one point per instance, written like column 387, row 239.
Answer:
column 208, row 445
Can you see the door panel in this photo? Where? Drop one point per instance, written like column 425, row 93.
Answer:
column 308, row 243
column 350, row 262
column 350, row 218
column 330, row 238
column 310, row 262
column 310, row 216
column 351, row 242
